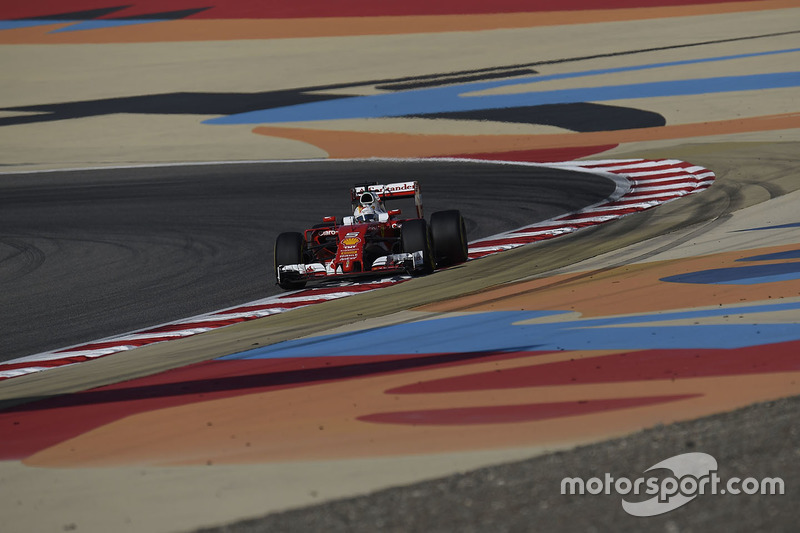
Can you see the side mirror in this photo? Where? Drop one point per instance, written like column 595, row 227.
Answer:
column 331, row 220
column 395, row 212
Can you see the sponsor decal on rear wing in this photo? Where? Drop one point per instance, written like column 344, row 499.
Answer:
column 406, row 189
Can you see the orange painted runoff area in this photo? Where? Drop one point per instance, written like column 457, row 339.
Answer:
column 321, row 422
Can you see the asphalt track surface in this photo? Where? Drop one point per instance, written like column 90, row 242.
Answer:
column 89, row 254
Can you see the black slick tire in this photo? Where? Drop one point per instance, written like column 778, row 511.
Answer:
column 415, row 237
column 289, row 251
column 449, row 235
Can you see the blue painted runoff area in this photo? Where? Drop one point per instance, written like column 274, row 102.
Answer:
column 782, row 226
column 747, row 275
column 31, row 23
column 74, row 25
column 103, row 24
column 462, row 97
column 502, row 332
column 778, row 256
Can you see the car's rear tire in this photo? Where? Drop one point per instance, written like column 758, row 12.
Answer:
column 415, row 237
column 449, row 235
column 289, row 251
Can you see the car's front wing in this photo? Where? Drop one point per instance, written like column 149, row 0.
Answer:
column 405, row 262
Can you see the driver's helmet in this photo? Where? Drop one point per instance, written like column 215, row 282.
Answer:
column 365, row 214
column 369, row 206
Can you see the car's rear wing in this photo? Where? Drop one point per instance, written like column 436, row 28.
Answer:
column 390, row 191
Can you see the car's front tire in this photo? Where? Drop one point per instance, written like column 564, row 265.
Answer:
column 289, row 249
column 415, row 237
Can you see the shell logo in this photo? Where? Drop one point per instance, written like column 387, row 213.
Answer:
column 351, row 241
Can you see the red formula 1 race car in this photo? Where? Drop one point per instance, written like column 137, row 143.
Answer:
column 375, row 240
